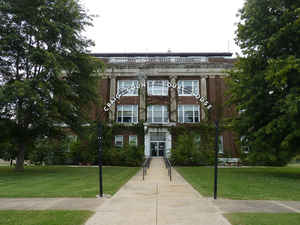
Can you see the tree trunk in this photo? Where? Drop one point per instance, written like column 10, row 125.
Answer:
column 20, row 158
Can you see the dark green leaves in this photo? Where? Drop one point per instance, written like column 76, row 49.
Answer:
column 265, row 85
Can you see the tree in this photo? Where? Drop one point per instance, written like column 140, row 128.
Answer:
column 265, row 83
column 46, row 75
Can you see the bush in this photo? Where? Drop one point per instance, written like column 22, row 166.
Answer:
column 192, row 150
column 48, row 151
column 265, row 158
column 129, row 155
column 84, row 151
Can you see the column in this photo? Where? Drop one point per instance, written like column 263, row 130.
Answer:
column 203, row 94
column 112, row 93
column 143, row 95
column 173, row 101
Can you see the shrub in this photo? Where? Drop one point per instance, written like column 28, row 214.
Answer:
column 129, row 155
column 48, row 151
column 192, row 150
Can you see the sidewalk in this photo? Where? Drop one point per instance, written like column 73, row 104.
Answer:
column 157, row 201
column 50, row 203
column 154, row 201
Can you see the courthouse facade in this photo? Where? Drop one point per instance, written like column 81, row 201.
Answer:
column 161, row 90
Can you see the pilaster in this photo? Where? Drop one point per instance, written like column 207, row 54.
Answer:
column 142, row 106
column 112, row 93
column 203, row 94
column 173, row 100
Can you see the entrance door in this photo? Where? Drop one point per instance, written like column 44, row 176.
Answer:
column 157, row 148
column 153, row 148
column 161, row 148
column 157, row 143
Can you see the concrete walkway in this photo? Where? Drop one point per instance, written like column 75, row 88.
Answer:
column 153, row 201
column 50, row 203
column 157, row 201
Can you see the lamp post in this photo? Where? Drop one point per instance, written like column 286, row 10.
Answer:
column 216, row 159
column 100, row 158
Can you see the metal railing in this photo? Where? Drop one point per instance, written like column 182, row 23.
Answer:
column 146, row 166
column 168, row 167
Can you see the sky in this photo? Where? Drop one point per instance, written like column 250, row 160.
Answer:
column 163, row 25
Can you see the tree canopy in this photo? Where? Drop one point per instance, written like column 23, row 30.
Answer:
column 265, row 83
column 46, row 75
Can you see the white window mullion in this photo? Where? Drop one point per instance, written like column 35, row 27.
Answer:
column 194, row 112
column 122, row 110
column 132, row 114
column 152, row 114
column 183, row 110
column 163, row 114
column 192, row 87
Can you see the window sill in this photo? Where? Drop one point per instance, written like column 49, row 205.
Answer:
column 189, row 95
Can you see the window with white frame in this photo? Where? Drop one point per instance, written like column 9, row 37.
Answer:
column 119, row 141
column 157, row 114
column 220, row 145
column 188, row 87
column 188, row 113
column 71, row 139
column 157, row 87
column 133, row 140
column 125, row 87
column 244, row 147
column 127, row 113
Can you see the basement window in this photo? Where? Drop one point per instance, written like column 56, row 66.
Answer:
column 119, row 141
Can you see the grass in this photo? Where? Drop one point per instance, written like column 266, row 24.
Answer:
column 53, row 217
column 264, row 183
column 263, row 218
column 62, row 181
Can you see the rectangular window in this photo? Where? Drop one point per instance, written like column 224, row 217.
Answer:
column 157, row 87
column 127, row 113
column 188, row 113
column 119, row 141
column 244, row 147
column 157, row 136
column 157, row 114
column 128, row 87
column 71, row 139
column 220, row 147
column 188, row 87
column 133, row 140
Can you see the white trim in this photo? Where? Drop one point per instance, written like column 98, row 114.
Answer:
column 121, row 140
column 168, row 140
column 135, row 141
column 150, row 110
column 195, row 108
column 195, row 83
column 131, row 91
column 134, row 108
column 220, row 145
column 153, row 86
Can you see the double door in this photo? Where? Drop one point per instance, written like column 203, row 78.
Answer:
column 157, row 148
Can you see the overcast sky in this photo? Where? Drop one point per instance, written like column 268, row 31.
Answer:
column 160, row 25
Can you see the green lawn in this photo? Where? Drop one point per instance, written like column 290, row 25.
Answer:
column 62, row 181
column 264, row 218
column 268, row 183
column 53, row 217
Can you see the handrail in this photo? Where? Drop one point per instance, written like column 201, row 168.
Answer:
column 169, row 167
column 146, row 166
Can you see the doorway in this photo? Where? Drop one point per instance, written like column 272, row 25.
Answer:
column 157, row 148
column 157, row 144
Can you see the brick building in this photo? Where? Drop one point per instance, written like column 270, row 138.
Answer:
column 162, row 90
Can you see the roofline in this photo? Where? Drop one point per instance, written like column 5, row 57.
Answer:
column 166, row 54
